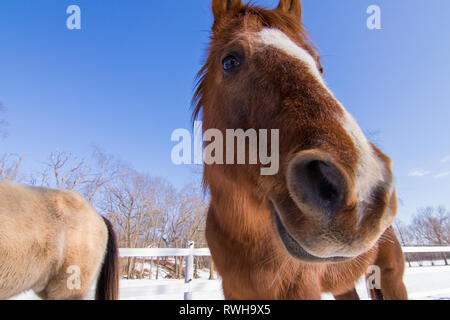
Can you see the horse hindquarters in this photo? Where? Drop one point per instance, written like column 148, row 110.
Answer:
column 89, row 250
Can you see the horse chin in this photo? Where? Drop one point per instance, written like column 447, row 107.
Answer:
column 296, row 250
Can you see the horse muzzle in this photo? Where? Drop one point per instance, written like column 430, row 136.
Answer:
column 320, row 218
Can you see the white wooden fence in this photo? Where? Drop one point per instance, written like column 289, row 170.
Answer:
column 190, row 252
column 426, row 249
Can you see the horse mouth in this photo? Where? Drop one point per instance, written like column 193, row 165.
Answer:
column 295, row 249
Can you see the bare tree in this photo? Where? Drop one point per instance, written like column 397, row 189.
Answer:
column 65, row 171
column 128, row 203
column 404, row 233
column 149, row 212
column 105, row 171
column 137, row 204
column 431, row 226
column 10, row 166
column 188, row 221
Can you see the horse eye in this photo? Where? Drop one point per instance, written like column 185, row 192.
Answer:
column 231, row 63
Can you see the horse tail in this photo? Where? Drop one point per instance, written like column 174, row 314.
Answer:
column 108, row 281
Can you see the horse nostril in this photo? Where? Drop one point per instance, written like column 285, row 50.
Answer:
column 317, row 184
column 318, row 173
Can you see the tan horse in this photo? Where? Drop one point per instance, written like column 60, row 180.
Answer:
column 318, row 224
column 54, row 243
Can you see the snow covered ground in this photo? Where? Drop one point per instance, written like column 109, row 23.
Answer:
column 427, row 283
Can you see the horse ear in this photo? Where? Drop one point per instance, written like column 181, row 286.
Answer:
column 293, row 7
column 221, row 7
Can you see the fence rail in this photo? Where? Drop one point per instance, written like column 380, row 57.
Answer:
column 190, row 252
column 163, row 252
column 426, row 249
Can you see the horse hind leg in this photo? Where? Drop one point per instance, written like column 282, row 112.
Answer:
column 71, row 283
column 391, row 263
column 392, row 286
column 59, row 293
column 376, row 294
column 62, row 290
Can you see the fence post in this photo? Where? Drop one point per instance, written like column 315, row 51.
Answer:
column 211, row 269
column 189, row 271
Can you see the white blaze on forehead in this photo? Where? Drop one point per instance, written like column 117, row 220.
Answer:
column 277, row 39
column 370, row 170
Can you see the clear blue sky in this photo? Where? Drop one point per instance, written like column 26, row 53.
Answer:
column 125, row 81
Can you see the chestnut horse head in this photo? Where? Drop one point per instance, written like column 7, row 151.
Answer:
column 333, row 196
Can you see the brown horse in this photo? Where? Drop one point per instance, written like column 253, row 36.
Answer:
column 317, row 224
column 54, row 243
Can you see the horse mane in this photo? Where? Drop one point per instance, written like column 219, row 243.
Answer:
column 268, row 18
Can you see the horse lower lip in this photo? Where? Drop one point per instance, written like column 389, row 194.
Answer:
column 295, row 249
